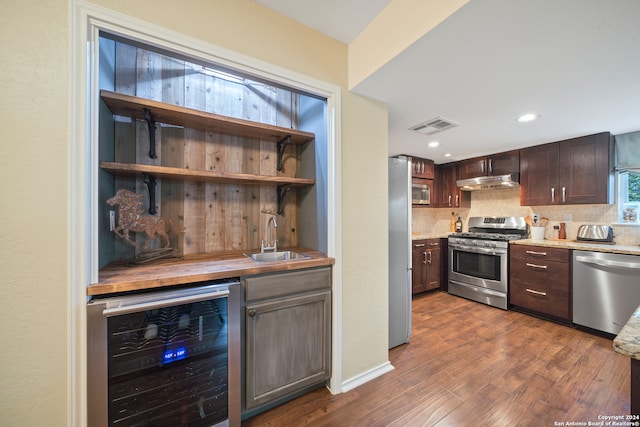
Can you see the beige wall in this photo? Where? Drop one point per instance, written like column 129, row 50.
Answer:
column 33, row 171
column 33, row 213
column 365, row 235
column 407, row 21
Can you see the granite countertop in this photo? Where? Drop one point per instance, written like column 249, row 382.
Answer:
column 422, row 236
column 628, row 340
column 583, row 246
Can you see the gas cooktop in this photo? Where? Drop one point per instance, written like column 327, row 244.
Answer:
column 495, row 228
column 489, row 236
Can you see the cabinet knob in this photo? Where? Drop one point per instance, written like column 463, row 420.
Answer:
column 251, row 313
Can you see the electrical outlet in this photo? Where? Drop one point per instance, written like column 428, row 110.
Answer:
column 568, row 217
column 112, row 220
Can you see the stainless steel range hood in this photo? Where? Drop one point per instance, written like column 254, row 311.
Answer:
column 490, row 182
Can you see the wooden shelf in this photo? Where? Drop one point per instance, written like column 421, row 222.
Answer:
column 131, row 106
column 202, row 176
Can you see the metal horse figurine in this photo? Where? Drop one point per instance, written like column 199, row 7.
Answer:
column 131, row 219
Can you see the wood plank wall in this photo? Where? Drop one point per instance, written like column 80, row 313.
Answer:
column 216, row 217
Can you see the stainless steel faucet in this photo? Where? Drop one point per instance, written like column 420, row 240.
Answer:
column 271, row 245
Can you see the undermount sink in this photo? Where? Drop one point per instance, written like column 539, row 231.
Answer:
column 276, row 256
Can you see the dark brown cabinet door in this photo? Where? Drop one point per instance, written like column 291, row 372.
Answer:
column 426, row 263
column 585, row 173
column 450, row 195
column 496, row 164
column 418, row 266
column 472, row 168
column 538, row 174
column 434, row 262
column 574, row 171
column 422, row 168
column 503, row 163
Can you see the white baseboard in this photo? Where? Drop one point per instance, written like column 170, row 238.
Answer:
column 366, row 376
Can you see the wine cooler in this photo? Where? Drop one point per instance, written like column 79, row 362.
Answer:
column 165, row 358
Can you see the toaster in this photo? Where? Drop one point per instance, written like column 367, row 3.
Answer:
column 595, row 233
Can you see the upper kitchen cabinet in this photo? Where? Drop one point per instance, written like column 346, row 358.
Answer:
column 574, row 171
column 422, row 168
column 496, row 164
column 448, row 193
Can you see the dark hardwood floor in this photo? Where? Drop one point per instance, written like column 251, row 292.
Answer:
column 472, row 365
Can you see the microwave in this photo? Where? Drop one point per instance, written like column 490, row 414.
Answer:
column 421, row 191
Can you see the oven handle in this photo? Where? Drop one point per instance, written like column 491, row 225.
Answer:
column 479, row 250
column 150, row 305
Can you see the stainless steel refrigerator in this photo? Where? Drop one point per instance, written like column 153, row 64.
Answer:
column 399, row 250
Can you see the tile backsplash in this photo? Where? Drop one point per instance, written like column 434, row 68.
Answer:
column 429, row 221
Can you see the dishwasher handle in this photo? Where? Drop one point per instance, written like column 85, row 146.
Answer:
column 608, row 263
column 160, row 303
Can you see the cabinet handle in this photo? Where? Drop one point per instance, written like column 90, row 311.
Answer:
column 434, row 244
column 482, row 166
column 457, row 200
column 424, row 261
column 429, row 260
column 564, row 194
column 543, row 267
column 419, row 245
column 553, row 195
column 537, row 253
column 544, row 294
column 252, row 313
column 421, row 168
column 490, row 165
column 449, row 200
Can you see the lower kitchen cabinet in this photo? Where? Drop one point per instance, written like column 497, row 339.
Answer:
column 287, row 342
column 540, row 280
column 426, row 263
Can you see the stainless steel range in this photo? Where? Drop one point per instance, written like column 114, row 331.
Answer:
column 479, row 259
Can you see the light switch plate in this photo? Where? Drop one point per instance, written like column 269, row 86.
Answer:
column 568, row 217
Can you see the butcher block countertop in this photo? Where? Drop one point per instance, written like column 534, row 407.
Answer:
column 582, row 246
column 195, row 268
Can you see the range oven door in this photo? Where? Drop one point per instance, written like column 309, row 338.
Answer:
column 479, row 273
column 165, row 358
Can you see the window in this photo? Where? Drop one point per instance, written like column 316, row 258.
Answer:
column 628, row 197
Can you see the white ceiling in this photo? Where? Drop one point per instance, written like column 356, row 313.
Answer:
column 576, row 63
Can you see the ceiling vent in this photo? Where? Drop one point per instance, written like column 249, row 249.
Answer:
column 432, row 126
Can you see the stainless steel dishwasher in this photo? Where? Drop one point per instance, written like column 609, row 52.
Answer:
column 606, row 289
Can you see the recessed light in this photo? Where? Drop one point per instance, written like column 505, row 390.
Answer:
column 447, row 154
column 528, row 117
column 433, row 144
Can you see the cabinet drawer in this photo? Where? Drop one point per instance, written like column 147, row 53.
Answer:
column 540, row 253
column 535, row 272
column 432, row 243
column 543, row 297
column 279, row 284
